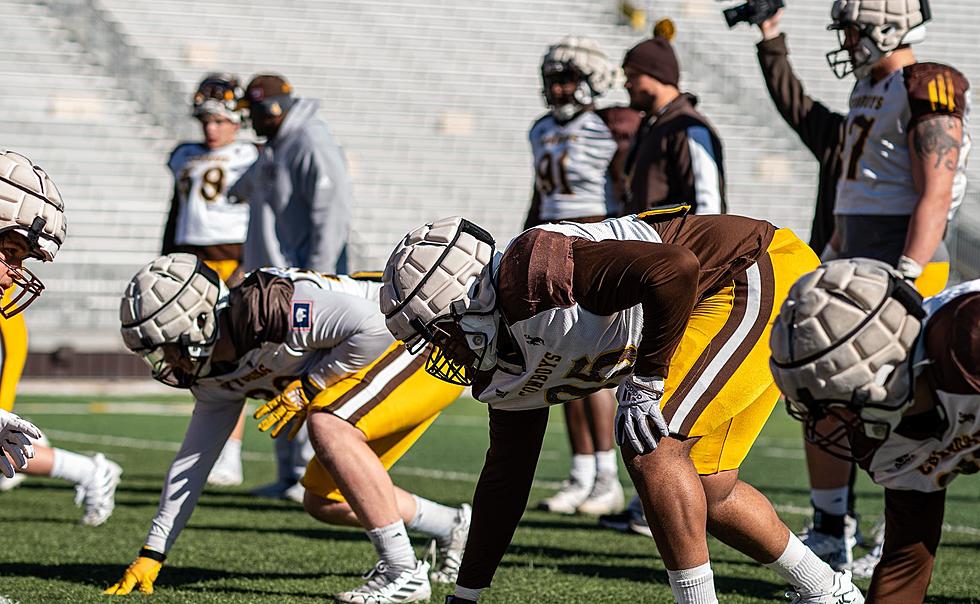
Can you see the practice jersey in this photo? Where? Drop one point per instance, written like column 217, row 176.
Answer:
column 284, row 324
column 931, row 463
column 876, row 177
column 571, row 164
column 333, row 330
column 203, row 176
column 562, row 350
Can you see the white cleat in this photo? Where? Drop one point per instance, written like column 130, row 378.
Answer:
column 9, row 484
column 448, row 554
column 838, row 552
column 843, row 591
column 227, row 471
column 864, row 567
column 97, row 495
column 570, row 495
column 387, row 587
column 606, row 496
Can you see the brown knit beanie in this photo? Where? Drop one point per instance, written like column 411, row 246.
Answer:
column 655, row 57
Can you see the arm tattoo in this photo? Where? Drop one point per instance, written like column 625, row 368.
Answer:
column 933, row 138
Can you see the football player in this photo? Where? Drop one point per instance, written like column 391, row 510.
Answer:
column 672, row 309
column 903, row 161
column 33, row 226
column 578, row 154
column 899, row 380
column 315, row 347
column 203, row 220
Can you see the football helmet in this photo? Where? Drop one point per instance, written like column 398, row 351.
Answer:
column 169, row 315
column 436, row 289
column 30, row 205
column 575, row 59
column 219, row 94
column 880, row 26
column 842, row 348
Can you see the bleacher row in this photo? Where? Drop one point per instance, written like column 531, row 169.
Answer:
column 431, row 100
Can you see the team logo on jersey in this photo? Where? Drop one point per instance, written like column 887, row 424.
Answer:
column 302, row 309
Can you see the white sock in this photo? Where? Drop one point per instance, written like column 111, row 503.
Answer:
column 393, row 546
column 693, row 585
column 433, row 518
column 231, row 451
column 830, row 501
column 605, row 462
column 71, row 466
column 583, row 470
column 801, row 568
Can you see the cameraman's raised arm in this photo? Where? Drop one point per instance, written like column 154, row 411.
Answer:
column 820, row 129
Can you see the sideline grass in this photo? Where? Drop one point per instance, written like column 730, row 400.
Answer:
column 241, row 549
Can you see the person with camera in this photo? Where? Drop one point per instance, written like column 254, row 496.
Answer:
column 676, row 155
column 893, row 171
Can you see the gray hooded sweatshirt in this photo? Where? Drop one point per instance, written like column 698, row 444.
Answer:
column 299, row 193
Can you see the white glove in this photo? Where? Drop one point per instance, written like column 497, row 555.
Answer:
column 14, row 441
column 639, row 421
column 909, row 268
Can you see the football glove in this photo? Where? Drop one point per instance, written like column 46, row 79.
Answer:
column 15, row 441
column 909, row 268
column 292, row 403
column 639, row 421
column 141, row 573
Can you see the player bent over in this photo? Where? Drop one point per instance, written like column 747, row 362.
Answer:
column 899, row 380
column 32, row 225
column 316, row 347
column 672, row 308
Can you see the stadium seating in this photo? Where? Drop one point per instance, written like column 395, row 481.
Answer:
column 430, row 99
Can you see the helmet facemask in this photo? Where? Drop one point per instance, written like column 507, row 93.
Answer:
column 565, row 73
column 27, row 288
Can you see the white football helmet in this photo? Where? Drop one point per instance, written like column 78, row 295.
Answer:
column 30, row 205
column 843, row 341
column 174, row 300
column 219, row 94
column 435, row 289
column 575, row 59
column 882, row 26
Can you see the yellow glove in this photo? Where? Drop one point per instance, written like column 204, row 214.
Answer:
column 143, row 572
column 291, row 403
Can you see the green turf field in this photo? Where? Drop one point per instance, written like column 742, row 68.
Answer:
column 241, row 549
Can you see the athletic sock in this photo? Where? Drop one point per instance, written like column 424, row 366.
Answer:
column 583, row 470
column 605, row 462
column 433, row 518
column 802, row 569
column 72, row 467
column 693, row 585
column 393, row 546
column 829, row 508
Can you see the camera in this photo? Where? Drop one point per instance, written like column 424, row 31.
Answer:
column 752, row 12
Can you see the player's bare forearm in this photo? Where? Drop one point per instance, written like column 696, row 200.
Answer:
column 935, row 151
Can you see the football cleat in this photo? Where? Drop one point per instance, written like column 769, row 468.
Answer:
column 9, row 484
column 843, row 591
column 838, row 552
column 606, row 496
column 97, row 495
column 570, row 495
column 390, row 587
column 864, row 567
column 630, row 520
column 274, row 490
column 448, row 553
column 227, row 471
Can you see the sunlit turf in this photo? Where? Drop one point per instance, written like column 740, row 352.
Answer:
column 241, row 549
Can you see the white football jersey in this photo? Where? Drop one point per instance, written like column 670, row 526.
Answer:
column 930, row 465
column 203, row 177
column 571, row 164
column 876, row 176
column 324, row 312
column 551, row 343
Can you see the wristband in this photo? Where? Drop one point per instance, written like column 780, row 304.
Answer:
column 152, row 554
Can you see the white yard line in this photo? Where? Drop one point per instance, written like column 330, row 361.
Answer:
column 402, row 470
